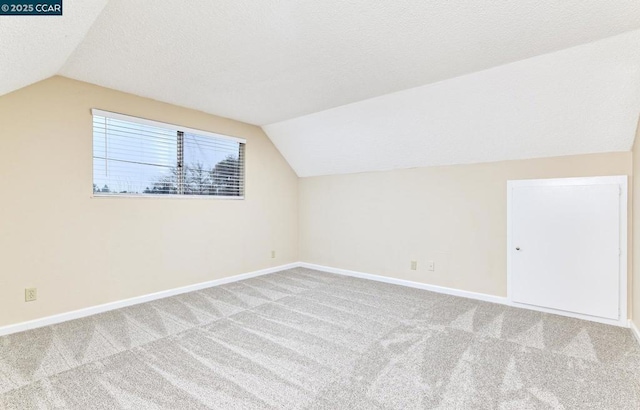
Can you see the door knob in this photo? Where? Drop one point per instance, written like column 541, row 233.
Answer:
column 517, row 249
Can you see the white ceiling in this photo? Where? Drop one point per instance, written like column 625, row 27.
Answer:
column 584, row 99
column 269, row 61
column 34, row 48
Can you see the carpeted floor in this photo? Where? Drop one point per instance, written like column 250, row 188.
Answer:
column 301, row 339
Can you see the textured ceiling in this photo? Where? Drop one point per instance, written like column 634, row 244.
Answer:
column 35, row 48
column 360, row 85
column 270, row 60
column 584, row 99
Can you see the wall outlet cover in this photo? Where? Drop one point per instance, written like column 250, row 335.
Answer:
column 30, row 294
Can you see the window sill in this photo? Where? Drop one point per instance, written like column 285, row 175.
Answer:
column 167, row 196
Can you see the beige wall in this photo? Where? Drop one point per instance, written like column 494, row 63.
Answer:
column 378, row 222
column 81, row 251
column 635, row 282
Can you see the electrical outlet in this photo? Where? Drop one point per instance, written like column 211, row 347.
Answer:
column 431, row 266
column 414, row 265
column 273, row 254
column 30, row 294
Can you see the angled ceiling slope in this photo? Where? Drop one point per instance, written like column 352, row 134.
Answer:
column 33, row 48
column 266, row 61
column 581, row 100
column 328, row 76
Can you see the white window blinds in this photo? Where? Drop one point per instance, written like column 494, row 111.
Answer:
column 134, row 156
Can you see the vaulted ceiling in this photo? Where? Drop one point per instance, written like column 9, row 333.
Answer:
column 33, row 48
column 585, row 99
column 350, row 86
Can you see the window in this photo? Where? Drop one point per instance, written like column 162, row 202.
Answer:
column 134, row 156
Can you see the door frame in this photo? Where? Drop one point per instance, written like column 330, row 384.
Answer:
column 622, row 182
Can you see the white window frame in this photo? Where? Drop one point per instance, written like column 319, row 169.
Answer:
column 172, row 127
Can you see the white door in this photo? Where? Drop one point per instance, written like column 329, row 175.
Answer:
column 565, row 245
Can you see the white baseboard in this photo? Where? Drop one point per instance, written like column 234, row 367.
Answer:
column 634, row 330
column 77, row 314
column 462, row 293
column 434, row 288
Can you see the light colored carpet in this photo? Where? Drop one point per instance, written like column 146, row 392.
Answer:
column 301, row 339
